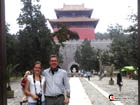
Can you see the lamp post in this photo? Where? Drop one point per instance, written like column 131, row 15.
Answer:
column 3, row 98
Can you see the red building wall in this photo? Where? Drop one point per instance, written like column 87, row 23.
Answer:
column 83, row 32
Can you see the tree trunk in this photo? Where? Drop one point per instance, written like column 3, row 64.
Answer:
column 3, row 98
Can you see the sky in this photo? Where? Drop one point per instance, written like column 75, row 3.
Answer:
column 107, row 11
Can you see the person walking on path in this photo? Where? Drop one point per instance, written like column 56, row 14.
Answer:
column 34, row 87
column 119, row 81
column 89, row 75
column 56, row 84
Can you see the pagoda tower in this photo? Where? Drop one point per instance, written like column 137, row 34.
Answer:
column 77, row 18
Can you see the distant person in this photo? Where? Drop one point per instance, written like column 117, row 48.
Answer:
column 119, row 81
column 23, row 82
column 56, row 84
column 34, row 87
column 129, row 75
column 89, row 75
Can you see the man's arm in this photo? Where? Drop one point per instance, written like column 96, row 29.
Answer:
column 67, row 88
column 67, row 85
column 68, row 94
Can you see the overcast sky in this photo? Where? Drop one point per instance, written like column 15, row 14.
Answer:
column 107, row 11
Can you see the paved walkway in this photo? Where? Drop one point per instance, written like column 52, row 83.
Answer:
column 104, row 93
column 128, row 96
column 78, row 95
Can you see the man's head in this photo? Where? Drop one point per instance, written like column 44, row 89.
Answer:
column 53, row 61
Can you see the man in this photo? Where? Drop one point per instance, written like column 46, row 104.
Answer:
column 56, row 84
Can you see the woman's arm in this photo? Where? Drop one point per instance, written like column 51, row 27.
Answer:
column 27, row 92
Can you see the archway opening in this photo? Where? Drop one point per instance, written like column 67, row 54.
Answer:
column 74, row 68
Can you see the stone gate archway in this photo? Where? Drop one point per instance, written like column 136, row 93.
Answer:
column 73, row 65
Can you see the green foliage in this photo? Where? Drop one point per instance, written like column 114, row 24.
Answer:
column 64, row 34
column 102, row 36
column 120, row 52
column 123, row 50
column 105, row 56
column 133, row 40
column 86, row 56
column 10, row 69
column 124, row 46
column 35, row 42
column 115, row 31
column 29, row 13
column 11, row 49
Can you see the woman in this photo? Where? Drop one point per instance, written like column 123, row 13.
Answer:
column 119, row 81
column 34, row 87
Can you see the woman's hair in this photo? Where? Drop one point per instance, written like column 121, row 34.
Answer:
column 37, row 62
column 51, row 56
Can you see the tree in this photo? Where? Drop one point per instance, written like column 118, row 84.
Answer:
column 133, row 40
column 64, row 34
column 86, row 56
column 102, row 36
column 120, row 52
column 10, row 69
column 106, row 57
column 11, row 46
column 115, row 31
column 118, row 48
column 35, row 39
column 124, row 45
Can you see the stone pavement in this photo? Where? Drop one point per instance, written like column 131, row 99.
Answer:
column 18, row 93
column 78, row 95
column 94, row 92
column 128, row 96
column 103, row 96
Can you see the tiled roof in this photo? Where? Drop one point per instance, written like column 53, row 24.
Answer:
column 73, row 7
column 78, row 19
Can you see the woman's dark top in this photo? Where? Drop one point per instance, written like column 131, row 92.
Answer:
column 119, row 79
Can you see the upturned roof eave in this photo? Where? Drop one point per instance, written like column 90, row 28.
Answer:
column 59, row 10
column 57, row 20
